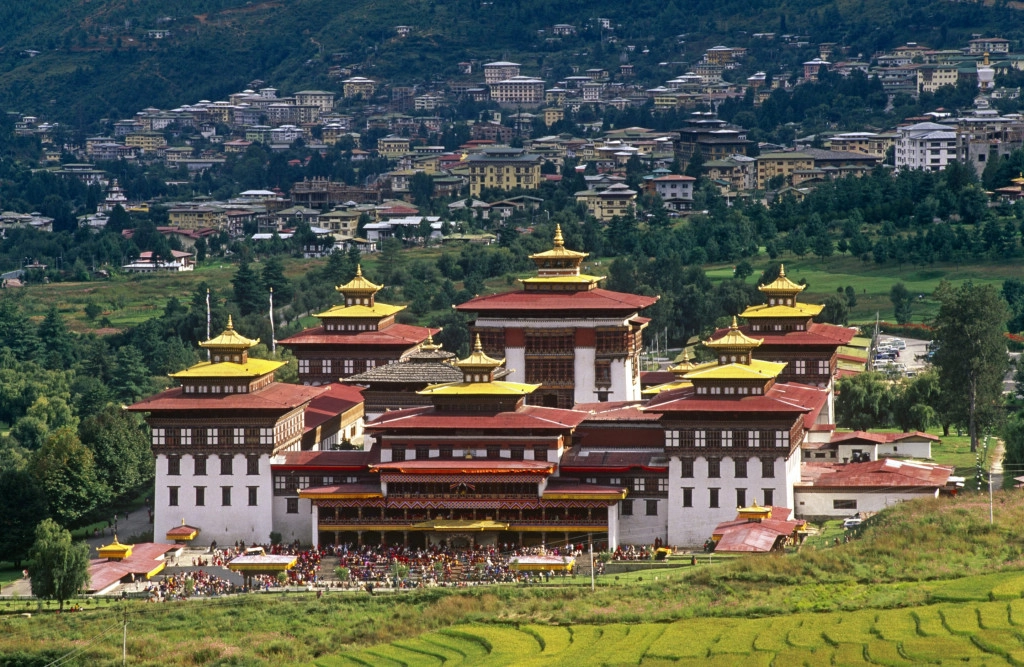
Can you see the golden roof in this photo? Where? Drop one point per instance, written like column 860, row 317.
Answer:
column 229, row 341
column 494, row 388
column 478, row 360
column 782, row 286
column 755, row 369
column 377, row 310
column 668, row 386
column 359, row 284
column 755, row 511
column 228, row 369
column 1020, row 179
column 801, row 310
column 116, row 550
column 559, row 250
column 734, row 340
column 554, row 280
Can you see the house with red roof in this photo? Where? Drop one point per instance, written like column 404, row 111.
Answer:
column 836, row 490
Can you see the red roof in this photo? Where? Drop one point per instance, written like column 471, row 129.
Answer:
column 144, row 559
column 615, row 411
column 883, row 473
column 338, row 399
column 527, row 417
column 781, row 398
column 579, row 460
column 744, row 535
column 465, row 466
column 184, row 530
column 397, row 335
column 359, row 460
column 556, row 485
column 880, row 438
column 674, row 177
column 830, row 335
column 276, row 396
column 596, row 301
column 654, row 378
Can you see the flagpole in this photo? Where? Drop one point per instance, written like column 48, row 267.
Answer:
column 208, row 321
column 273, row 336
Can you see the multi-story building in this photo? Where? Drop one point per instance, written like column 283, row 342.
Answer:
column 991, row 45
column 674, row 186
column 772, row 165
column 499, row 71
column 322, row 99
column 214, row 436
column 790, row 335
column 478, row 466
column 503, row 168
column 147, row 142
column 868, row 143
column 392, row 147
column 712, row 139
column 613, row 201
column 733, row 437
column 925, row 146
column 354, row 337
column 358, row 85
column 581, row 342
column 738, row 172
column 518, row 90
column 932, row 77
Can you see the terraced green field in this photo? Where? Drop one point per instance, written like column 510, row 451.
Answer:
column 975, row 633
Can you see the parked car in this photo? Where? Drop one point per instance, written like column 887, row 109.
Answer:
column 852, row 523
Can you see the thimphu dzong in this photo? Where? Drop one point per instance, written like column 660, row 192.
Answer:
column 540, row 436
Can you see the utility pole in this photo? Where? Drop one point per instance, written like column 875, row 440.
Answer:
column 592, row 585
column 124, row 637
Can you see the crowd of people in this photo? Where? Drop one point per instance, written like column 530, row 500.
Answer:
column 374, row 567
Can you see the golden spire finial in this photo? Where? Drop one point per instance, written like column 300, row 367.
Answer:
column 429, row 344
column 559, row 241
column 735, row 325
column 231, row 327
column 477, row 345
column 359, row 270
column 782, row 270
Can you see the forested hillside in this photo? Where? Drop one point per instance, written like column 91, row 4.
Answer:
column 80, row 61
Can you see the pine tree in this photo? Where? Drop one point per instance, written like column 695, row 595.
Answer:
column 273, row 277
column 247, row 289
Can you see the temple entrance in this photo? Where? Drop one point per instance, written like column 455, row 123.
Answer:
column 460, row 541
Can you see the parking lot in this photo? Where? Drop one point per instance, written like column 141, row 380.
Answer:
column 913, row 356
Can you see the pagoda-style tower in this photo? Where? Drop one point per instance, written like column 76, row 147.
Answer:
column 582, row 343
column 214, row 436
column 477, row 465
column 790, row 335
column 733, row 435
column 355, row 336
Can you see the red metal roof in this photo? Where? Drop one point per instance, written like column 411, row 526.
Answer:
column 144, row 559
column 615, row 411
column 359, row 460
column 743, row 535
column 883, row 473
column 880, row 438
column 465, row 466
column 276, row 396
column 338, row 399
column 595, row 300
column 556, row 485
column 830, row 335
column 580, row 460
column 527, row 417
column 396, row 335
column 781, row 398
column 654, row 378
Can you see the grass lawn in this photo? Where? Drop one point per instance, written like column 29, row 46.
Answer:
column 873, row 282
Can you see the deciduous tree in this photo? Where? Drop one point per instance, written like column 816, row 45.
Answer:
column 58, row 567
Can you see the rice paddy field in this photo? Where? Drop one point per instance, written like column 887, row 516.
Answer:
column 975, row 633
